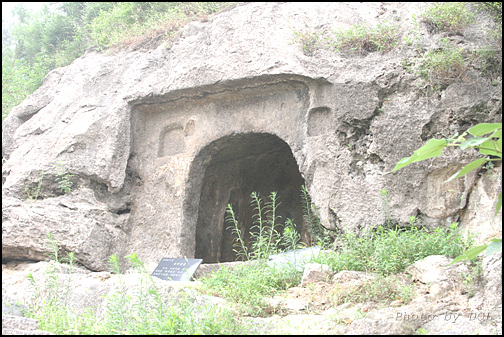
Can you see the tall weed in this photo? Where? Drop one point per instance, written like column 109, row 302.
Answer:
column 141, row 310
column 265, row 235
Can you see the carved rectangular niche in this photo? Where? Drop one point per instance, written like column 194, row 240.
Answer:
column 171, row 141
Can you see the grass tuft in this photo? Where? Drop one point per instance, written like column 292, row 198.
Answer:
column 365, row 38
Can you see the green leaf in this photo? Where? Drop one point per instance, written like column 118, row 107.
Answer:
column 471, row 254
column 468, row 168
column 491, row 147
column 433, row 148
column 484, row 128
column 494, row 247
column 499, row 204
column 475, row 141
column 496, row 134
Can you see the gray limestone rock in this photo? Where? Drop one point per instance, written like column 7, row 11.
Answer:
column 158, row 142
column 314, row 272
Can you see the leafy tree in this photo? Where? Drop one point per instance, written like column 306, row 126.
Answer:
column 63, row 31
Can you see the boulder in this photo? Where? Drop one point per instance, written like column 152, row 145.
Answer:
column 314, row 272
column 489, row 298
column 9, row 307
column 16, row 325
column 436, row 268
column 157, row 142
column 437, row 274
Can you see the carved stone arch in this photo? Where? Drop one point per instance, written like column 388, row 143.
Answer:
column 227, row 171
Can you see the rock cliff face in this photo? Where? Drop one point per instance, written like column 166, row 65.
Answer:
column 158, row 142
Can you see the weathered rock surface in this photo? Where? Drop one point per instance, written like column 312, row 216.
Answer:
column 15, row 325
column 160, row 141
column 314, row 272
column 13, row 320
column 448, row 312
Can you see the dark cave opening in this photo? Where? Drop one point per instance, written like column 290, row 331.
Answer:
column 237, row 166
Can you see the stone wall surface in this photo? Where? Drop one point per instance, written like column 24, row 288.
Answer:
column 232, row 107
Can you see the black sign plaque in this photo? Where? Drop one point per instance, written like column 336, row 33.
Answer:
column 176, row 269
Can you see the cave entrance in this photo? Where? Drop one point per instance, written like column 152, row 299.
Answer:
column 238, row 165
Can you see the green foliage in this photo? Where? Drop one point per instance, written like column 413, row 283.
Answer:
column 63, row 178
column 471, row 254
column 319, row 233
column 19, row 79
column 442, row 67
column 32, row 191
column 362, row 37
column 494, row 8
column 146, row 312
column 390, row 251
column 63, row 31
column 309, row 41
column 143, row 312
column 249, row 285
column 54, row 309
column 118, row 302
column 239, row 245
column 449, row 17
column 387, row 218
column 291, row 237
column 449, row 63
column 265, row 237
column 471, row 279
column 487, row 139
column 412, row 38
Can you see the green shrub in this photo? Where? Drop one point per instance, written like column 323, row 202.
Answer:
column 32, row 191
column 439, row 68
column 449, row 17
column 148, row 313
column 63, row 177
column 363, row 37
column 57, row 36
column 443, row 67
column 391, row 251
column 250, row 284
column 129, row 22
column 309, row 41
